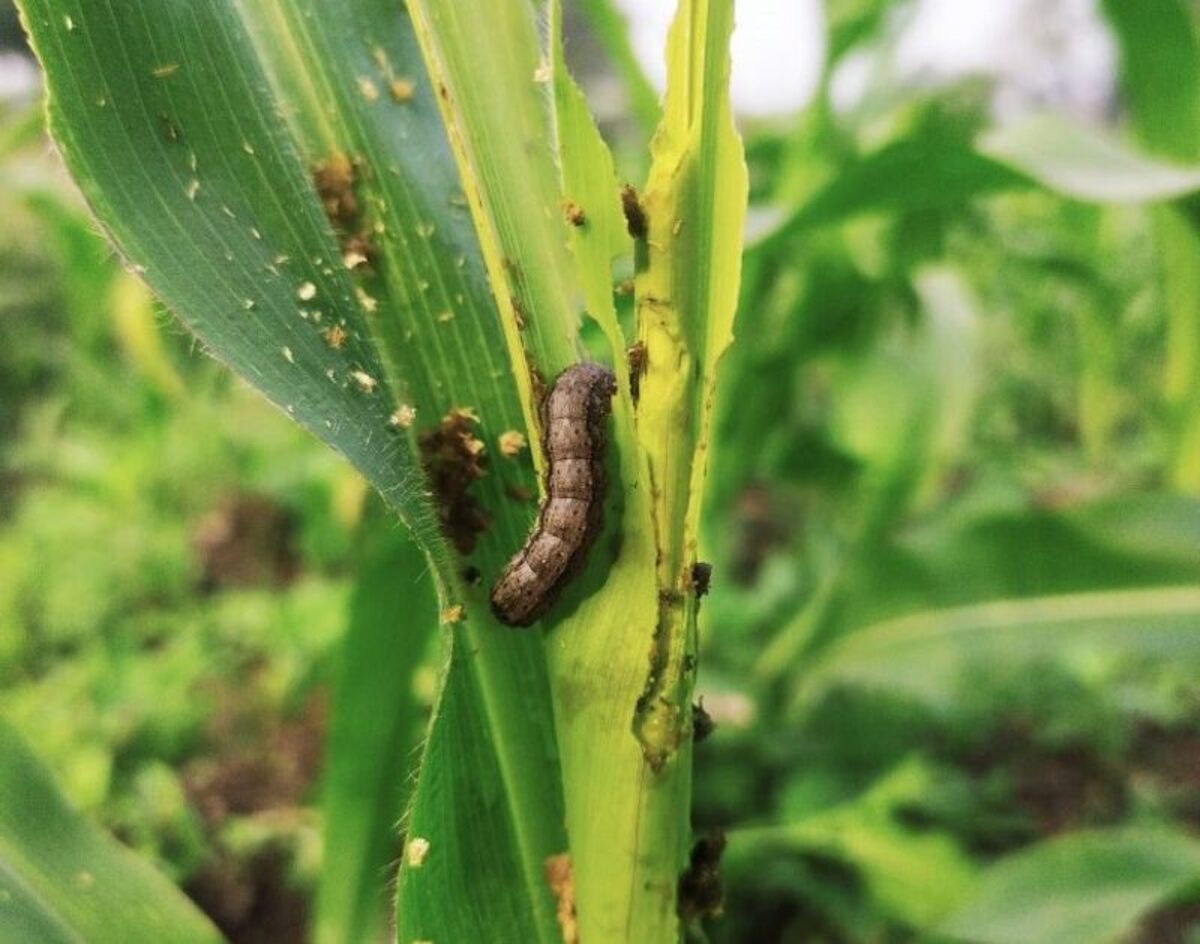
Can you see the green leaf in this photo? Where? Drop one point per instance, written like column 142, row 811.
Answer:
column 918, row 174
column 375, row 733
column 1178, row 240
column 1137, row 542
column 924, row 655
column 1087, row 165
column 198, row 134
column 625, row 842
column 934, row 172
column 219, row 215
column 624, row 859
column 87, row 269
column 850, row 22
column 485, row 61
column 63, row 881
column 687, row 291
column 468, row 873
column 688, row 268
column 1160, row 66
column 1006, row 551
column 927, row 389
column 1086, row 888
column 1160, row 72
column 917, row 877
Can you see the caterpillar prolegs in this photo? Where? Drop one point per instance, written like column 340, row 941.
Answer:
column 573, row 415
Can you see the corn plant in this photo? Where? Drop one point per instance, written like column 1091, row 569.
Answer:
column 400, row 224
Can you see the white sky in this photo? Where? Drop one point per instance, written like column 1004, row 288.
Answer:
column 1043, row 52
column 18, row 77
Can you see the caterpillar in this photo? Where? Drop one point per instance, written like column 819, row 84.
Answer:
column 573, row 417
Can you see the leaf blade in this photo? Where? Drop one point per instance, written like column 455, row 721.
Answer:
column 1084, row 164
column 1085, row 887
column 183, row 200
column 923, row 655
column 62, row 880
column 374, row 734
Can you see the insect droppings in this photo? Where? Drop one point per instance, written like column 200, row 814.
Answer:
column 700, row 893
column 635, row 214
column 574, row 213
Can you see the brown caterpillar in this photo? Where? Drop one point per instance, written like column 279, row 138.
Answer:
column 572, row 514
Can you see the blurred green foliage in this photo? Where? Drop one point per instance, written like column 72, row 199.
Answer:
column 952, row 642
column 177, row 562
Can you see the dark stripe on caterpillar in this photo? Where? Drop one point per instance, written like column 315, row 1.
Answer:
column 573, row 419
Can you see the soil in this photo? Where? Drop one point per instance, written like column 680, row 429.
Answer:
column 1060, row 789
column 256, row 765
column 1176, row 924
column 246, row 541
column 1170, row 761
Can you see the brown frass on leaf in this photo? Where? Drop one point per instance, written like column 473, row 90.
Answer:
column 702, row 723
column 635, row 215
column 701, row 894
column 574, row 213
column 561, row 880
column 455, row 458
column 637, row 367
column 335, row 180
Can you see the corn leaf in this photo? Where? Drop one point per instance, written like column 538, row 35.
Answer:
column 1087, row 165
column 924, row 655
column 606, row 636
column 279, row 175
column 376, row 731
column 485, row 61
column 1159, row 42
column 63, row 881
column 1086, row 888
